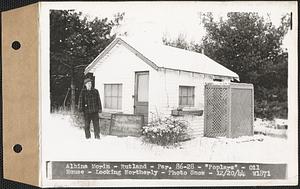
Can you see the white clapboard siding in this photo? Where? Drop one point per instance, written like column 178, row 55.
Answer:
column 119, row 67
column 167, row 98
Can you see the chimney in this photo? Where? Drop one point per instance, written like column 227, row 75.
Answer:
column 202, row 51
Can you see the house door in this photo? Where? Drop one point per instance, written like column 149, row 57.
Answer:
column 141, row 93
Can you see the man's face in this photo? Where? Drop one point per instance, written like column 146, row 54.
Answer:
column 88, row 85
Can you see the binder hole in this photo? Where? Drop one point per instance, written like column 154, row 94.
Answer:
column 16, row 45
column 17, row 148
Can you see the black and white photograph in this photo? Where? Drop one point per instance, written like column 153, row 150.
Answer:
column 136, row 83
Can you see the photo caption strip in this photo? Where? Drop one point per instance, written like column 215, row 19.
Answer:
column 62, row 170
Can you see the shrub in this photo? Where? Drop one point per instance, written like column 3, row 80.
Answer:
column 77, row 119
column 165, row 131
column 271, row 110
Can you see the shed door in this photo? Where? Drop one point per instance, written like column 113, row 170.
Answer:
column 216, row 114
column 141, row 93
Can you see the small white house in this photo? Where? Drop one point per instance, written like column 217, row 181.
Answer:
column 154, row 79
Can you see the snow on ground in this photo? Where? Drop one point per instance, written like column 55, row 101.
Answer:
column 276, row 127
column 64, row 142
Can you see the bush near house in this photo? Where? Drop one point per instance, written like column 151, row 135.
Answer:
column 77, row 119
column 165, row 131
column 250, row 45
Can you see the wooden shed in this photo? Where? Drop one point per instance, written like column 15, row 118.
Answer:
column 155, row 79
column 229, row 110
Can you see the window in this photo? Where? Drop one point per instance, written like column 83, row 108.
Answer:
column 186, row 96
column 113, row 96
column 219, row 80
column 143, row 87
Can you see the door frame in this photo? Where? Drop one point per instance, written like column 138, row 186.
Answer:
column 135, row 96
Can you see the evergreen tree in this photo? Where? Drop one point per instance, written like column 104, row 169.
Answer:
column 74, row 43
column 251, row 46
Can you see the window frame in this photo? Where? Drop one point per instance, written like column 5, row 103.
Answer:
column 119, row 96
column 192, row 96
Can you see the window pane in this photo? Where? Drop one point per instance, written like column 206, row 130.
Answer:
column 119, row 102
column 184, row 100
column 189, row 91
column 180, row 91
column 192, row 92
column 107, row 102
column 190, row 101
column 184, row 91
column 120, row 90
column 107, row 90
column 186, row 96
column 113, row 96
column 114, row 104
column 114, row 90
column 143, row 86
column 120, row 97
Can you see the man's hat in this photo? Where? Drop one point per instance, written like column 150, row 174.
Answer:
column 87, row 80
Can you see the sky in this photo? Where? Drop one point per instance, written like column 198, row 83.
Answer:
column 153, row 20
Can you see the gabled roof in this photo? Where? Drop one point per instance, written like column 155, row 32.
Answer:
column 163, row 56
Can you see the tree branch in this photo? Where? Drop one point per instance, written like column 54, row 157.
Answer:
column 80, row 65
column 69, row 66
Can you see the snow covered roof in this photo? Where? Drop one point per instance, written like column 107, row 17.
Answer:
column 163, row 56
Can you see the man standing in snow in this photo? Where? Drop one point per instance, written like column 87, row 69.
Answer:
column 90, row 104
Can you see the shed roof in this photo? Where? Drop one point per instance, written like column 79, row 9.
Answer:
column 163, row 56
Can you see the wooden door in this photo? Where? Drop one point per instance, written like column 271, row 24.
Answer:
column 141, row 94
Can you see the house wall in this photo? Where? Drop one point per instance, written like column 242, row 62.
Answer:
column 119, row 67
column 167, row 96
